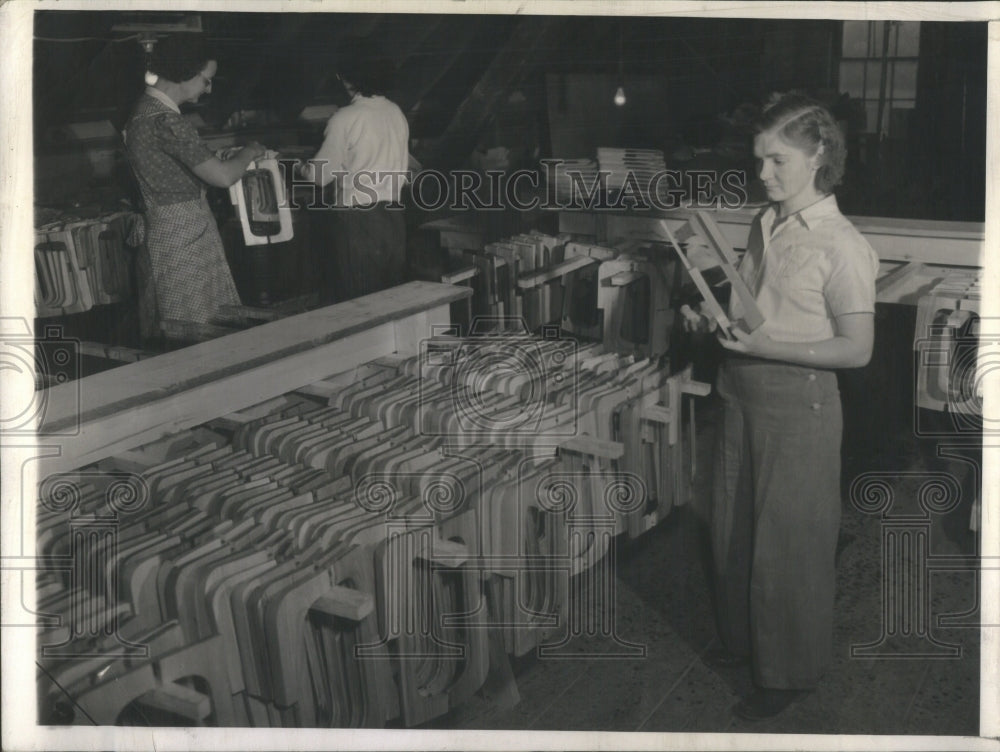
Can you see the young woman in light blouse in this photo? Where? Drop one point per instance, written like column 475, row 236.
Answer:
column 776, row 496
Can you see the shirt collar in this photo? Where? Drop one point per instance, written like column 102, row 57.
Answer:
column 808, row 216
column 359, row 97
column 818, row 211
column 157, row 94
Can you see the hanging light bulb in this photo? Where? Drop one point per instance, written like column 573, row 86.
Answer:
column 147, row 41
column 620, row 93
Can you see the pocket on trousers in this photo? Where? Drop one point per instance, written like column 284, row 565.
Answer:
column 821, row 392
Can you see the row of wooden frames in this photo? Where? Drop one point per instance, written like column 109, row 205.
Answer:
column 368, row 550
column 81, row 264
column 618, row 295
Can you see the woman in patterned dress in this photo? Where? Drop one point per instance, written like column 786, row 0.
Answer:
column 173, row 167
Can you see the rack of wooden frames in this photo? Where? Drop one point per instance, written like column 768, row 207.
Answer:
column 355, row 548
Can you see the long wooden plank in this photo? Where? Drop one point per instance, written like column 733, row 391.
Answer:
column 111, row 433
column 147, row 381
column 927, row 241
column 530, row 280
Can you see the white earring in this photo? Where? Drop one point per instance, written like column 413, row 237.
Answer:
column 151, row 78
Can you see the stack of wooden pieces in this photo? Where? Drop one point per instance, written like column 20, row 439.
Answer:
column 633, row 171
column 526, row 254
column 573, row 181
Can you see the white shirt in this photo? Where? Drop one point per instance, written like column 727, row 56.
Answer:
column 808, row 270
column 366, row 149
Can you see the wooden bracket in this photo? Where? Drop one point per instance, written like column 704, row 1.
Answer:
column 444, row 552
column 178, row 700
column 596, row 252
column 594, row 447
column 696, row 388
column 621, row 279
column 658, row 414
column 345, row 603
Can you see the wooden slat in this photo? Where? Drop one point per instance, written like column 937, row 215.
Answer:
column 593, row 447
column 531, row 280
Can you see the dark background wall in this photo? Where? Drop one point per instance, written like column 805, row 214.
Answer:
column 556, row 100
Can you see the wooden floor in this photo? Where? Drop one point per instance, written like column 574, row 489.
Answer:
column 662, row 601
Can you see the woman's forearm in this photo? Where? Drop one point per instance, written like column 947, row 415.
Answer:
column 850, row 347
column 836, row 352
column 223, row 173
column 237, row 164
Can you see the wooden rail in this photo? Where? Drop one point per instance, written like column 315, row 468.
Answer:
column 116, row 410
column 926, row 241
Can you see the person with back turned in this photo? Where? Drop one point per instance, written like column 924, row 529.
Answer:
column 365, row 153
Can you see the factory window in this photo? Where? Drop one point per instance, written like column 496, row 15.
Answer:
column 878, row 66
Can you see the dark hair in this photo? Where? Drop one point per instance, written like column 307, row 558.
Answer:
column 369, row 72
column 808, row 125
column 180, row 57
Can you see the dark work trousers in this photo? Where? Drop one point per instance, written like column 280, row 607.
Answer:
column 776, row 516
column 367, row 251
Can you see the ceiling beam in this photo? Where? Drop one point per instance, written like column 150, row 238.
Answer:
column 513, row 61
